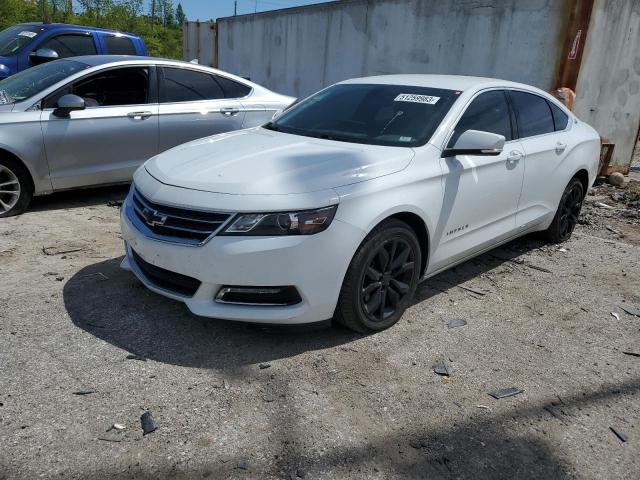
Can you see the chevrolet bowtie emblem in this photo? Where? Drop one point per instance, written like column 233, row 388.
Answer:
column 153, row 218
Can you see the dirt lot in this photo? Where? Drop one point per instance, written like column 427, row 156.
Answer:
column 331, row 404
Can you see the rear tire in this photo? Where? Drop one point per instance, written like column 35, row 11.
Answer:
column 16, row 189
column 567, row 214
column 381, row 279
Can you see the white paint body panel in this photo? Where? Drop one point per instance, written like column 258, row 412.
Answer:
column 468, row 204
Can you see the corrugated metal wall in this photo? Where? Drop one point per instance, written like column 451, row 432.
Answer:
column 608, row 90
column 199, row 42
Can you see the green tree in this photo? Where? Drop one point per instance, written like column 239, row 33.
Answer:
column 180, row 16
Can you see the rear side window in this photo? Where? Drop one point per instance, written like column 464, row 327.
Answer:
column 120, row 45
column 488, row 112
column 68, row 45
column 533, row 114
column 560, row 119
column 184, row 85
column 233, row 89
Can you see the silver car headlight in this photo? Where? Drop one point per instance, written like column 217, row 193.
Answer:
column 303, row 222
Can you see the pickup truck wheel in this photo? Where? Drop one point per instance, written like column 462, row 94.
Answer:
column 15, row 188
column 381, row 279
column 567, row 214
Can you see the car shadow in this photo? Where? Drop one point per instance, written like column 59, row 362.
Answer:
column 111, row 304
column 87, row 197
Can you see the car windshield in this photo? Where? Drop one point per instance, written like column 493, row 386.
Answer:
column 14, row 38
column 391, row 115
column 28, row 83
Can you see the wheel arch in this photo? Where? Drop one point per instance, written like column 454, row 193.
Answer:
column 583, row 176
column 9, row 154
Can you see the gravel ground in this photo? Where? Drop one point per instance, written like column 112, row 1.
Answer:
column 330, row 404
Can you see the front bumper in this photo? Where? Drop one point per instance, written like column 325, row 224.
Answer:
column 314, row 264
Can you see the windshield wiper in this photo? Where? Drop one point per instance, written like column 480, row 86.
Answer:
column 271, row 126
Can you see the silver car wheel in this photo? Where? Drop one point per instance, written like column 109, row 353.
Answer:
column 9, row 189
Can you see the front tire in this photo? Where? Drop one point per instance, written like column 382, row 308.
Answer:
column 15, row 188
column 381, row 279
column 567, row 214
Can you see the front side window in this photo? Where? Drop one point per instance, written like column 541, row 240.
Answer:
column 119, row 45
column 184, row 85
column 71, row 45
column 26, row 84
column 14, row 38
column 117, row 87
column 488, row 112
column 533, row 114
column 391, row 115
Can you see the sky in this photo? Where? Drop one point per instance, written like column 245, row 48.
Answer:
column 211, row 9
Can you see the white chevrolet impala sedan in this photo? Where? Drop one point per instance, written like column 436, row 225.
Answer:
column 339, row 206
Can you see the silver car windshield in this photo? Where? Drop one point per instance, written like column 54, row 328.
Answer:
column 14, row 38
column 375, row 114
column 30, row 82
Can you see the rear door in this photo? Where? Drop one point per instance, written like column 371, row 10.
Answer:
column 111, row 137
column 542, row 128
column 480, row 192
column 193, row 105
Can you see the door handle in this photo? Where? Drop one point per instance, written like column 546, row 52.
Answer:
column 229, row 111
column 560, row 147
column 139, row 115
column 514, row 157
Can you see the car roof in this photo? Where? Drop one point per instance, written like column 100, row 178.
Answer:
column 49, row 26
column 449, row 82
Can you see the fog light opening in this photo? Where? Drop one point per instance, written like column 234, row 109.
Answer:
column 273, row 296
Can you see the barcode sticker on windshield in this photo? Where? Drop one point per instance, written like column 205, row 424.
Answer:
column 27, row 33
column 411, row 97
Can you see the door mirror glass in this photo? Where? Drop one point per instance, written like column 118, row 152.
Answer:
column 43, row 55
column 476, row 142
column 68, row 103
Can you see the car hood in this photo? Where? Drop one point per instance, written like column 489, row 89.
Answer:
column 260, row 161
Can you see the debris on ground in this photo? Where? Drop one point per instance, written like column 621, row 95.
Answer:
column 243, row 463
column 133, row 356
column 505, row 392
column 456, row 322
column 615, row 315
column 61, row 249
column 264, row 365
column 442, row 367
column 84, row 392
column 59, row 278
column 484, row 407
column 114, row 203
column 630, row 310
column 632, row 354
column 473, row 290
column 112, row 436
column 621, row 436
column 148, row 423
column 616, row 179
column 116, row 426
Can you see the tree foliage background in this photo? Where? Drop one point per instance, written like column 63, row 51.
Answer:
column 159, row 24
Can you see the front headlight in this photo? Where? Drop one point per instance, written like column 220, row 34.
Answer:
column 305, row 222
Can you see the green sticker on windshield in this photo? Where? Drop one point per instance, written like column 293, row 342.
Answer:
column 405, row 139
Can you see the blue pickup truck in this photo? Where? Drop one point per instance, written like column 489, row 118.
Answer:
column 28, row 44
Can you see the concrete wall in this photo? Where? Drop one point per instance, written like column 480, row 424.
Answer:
column 608, row 90
column 298, row 51
column 199, row 42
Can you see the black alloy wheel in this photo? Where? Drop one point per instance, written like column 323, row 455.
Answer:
column 566, row 217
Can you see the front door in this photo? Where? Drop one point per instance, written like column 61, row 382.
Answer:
column 111, row 137
column 480, row 192
column 193, row 105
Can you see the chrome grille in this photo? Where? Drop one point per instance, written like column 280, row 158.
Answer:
column 173, row 224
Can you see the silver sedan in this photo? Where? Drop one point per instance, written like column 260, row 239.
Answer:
column 93, row 120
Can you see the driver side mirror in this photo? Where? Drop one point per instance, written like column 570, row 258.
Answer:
column 476, row 142
column 43, row 55
column 68, row 103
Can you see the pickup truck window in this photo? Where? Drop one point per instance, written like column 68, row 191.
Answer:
column 118, row 45
column 71, row 45
column 14, row 38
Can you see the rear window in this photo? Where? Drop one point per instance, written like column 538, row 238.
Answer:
column 533, row 114
column 184, row 85
column 233, row 89
column 560, row 119
column 119, row 45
